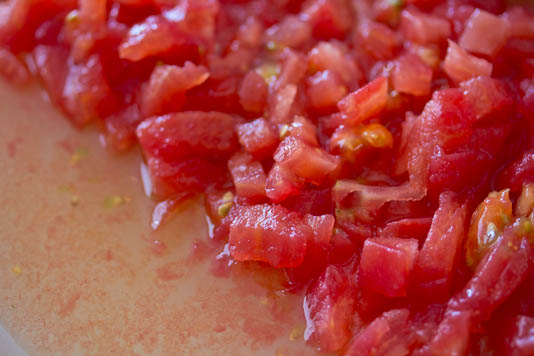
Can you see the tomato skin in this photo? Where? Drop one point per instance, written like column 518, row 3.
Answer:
column 278, row 238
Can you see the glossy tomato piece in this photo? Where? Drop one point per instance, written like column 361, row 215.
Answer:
column 282, row 183
column 485, row 33
column 386, row 335
column 175, row 136
column 165, row 90
column 452, row 335
column 12, row 69
column 248, row 176
column 292, row 31
column 377, row 40
column 268, row 233
column 317, row 247
column 87, row 95
column 386, row 265
column 487, row 96
column 416, row 228
column 435, row 262
column 314, row 201
column 329, row 308
column 258, row 137
column 304, row 130
column 253, row 92
column 51, row 63
column 519, row 172
column 412, row 76
column 329, row 18
column 310, row 163
column 325, row 90
column 120, row 127
column 365, row 102
column 521, row 341
column 190, row 174
column 460, row 65
column 423, row 28
column 334, row 56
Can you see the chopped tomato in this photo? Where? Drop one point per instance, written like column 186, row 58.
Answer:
column 484, row 33
column 366, row 102
column 460, row 65
column 248, row 176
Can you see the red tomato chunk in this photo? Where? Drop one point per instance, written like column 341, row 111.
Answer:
column 355, row 144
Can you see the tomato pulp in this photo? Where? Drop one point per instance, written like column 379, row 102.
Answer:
column 380, row 152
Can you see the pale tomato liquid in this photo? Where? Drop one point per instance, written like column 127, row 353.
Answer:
column 79, row 274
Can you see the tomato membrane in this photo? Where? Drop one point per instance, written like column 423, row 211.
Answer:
column 380, row 153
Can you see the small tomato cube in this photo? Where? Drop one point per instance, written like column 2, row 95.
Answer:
column 365, row 102
column 253, row 92
column 310, row 163
column 412, row 76
column 485, row 33
column 460, row 65
column 386, row 265
column 258, row 137
column 325, row 89
column 268, row 233
column 248, row 176
column 423, row 28
column 486, row 95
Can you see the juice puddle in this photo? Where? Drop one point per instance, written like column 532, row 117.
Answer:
column 80, row 273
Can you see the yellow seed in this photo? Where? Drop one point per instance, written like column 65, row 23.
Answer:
column 377, row 136
column 80, row 153
column 284, row 130
column 224, row 209
column 72, row 17
column 228, row 197
column 17, row 270
column 296, row 333
column 74, row 200
column 114, row 201
column 269, row 72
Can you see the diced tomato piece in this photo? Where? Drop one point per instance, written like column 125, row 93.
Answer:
column 317, row 247
column 281, row 103
column 292, row 31
column 378, row 40
column 521, row 24
column 51, row 63
column 386, row 265
column 292, row 70
column 92, row 13
column 333, row 56
column 268, row 233
column 386, row 335
column 460, row 65
column 120, row 127
column 522, row 340
column 412, row 76
column 86, row 94
column 281, row 183
column 307, row 162
column 422, row 28
column 12, row 69
column 365, row 102
column 314, row 201
column 250, row 33
column 497, row 276
column 487, row 225
column 253, row 92
column 304, row 130
column 175, row 136
column 519, row 173
column 329, row 308
column 258, row 137
column 486, row 95
column 416, row 228
column 325, row 89
column 191, row 174
column 165, row 90
column 165, row 209
column 329, row 18
column 452, row 335
column 433, row 269
column 248, row 176
column 484, row 33
column 342, row 248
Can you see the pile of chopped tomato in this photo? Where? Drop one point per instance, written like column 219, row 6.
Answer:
column 380, row 152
